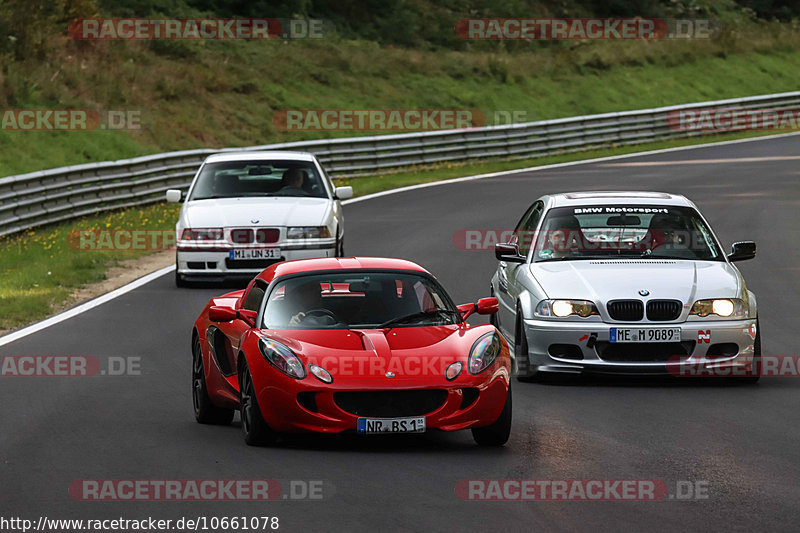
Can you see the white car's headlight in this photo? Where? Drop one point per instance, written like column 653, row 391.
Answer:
column 565, row 308
column 202, row 234
column 722, row 307
column 308, row 232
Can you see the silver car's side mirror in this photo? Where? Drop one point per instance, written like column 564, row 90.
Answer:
column 509, row 253
column 741, row 251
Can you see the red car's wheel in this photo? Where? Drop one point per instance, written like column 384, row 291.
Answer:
column 204, row 411
column 497, row 434
column 255, row 428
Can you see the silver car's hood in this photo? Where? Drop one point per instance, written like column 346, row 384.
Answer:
column 268, row 211
column 601, row 281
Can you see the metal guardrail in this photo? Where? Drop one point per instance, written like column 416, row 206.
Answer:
column 56, row 195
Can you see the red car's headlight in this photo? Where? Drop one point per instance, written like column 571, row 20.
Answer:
column 484, row 352
column 282, row 358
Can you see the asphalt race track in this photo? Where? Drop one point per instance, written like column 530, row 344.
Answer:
column 742, row 441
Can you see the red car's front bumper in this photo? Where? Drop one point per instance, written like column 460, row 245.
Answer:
column 289, row 405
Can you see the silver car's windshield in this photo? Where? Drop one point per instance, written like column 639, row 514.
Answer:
column 629, row 231
column 339, row 300
column 232, row 179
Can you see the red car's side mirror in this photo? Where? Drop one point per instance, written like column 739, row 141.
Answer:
column 487, row 306
column 219, row 313
column 248, row 316
column 466, row 310
column 484, row 306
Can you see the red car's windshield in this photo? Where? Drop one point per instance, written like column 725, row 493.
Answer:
column 341, row 300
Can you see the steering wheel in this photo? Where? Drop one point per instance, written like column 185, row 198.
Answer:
column 322, row 313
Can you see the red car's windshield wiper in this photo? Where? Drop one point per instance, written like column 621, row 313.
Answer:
column 421, row 314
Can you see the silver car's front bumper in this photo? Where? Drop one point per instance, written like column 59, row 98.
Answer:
column 576, row 347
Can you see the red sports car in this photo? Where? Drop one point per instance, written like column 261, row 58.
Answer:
column 367, row 345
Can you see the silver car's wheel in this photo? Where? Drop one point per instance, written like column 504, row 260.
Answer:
column 755, row 372
column 527, row 372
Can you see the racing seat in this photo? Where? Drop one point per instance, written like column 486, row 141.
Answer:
column 662, row 227
column 570, row 228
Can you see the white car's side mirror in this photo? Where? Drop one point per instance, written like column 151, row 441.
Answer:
column 343, row 193
column 174, row 196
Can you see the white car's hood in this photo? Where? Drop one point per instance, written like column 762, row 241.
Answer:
column 601, row 281
column 267, row 211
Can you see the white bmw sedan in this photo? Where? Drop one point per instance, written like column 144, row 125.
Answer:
column 623, row 282
column 247, row 210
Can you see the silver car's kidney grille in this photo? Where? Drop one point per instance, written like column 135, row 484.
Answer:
column 663, row 310
column 625, row 310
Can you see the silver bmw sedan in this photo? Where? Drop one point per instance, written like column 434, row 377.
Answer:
column 624, row 283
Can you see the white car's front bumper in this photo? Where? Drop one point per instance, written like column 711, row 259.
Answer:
column 576, row 347
column 215, row 263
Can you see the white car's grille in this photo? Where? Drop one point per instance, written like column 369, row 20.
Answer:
column 249, row 235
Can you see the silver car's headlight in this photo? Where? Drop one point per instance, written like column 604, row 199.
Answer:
column 729, row 308
column 282, row 358
column 308, row 232
column 483, row 353
column 565, row 308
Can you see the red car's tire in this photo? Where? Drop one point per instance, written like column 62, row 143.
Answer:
column 256, row 430
column 205, row 412
column 496, row 434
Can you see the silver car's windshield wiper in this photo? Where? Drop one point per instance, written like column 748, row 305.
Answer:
column 570, row 258
column 421, row 314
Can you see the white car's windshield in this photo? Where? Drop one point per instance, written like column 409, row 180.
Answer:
column 614, row 231
column 231, row 179
column 358, row 300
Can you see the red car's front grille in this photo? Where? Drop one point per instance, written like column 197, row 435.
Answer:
column 391, row 403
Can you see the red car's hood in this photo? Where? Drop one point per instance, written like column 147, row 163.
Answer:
column 408, row 353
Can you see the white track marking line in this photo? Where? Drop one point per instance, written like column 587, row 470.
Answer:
column 562, row 165
column 91, row 304
column 86, row 306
